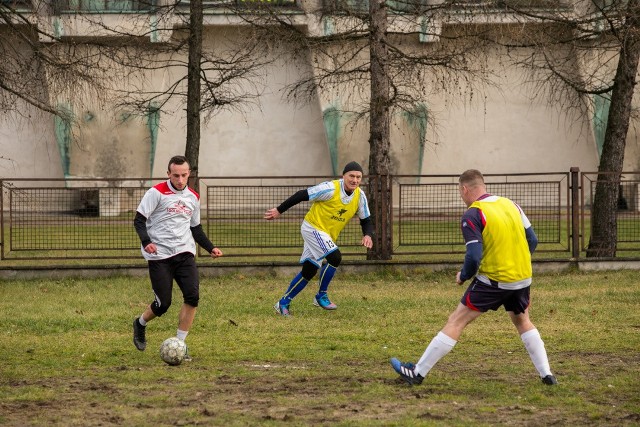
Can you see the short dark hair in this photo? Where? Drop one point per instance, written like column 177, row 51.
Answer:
column 177, row 160
column 471, row 178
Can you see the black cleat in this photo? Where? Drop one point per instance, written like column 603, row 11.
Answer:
column 139, row 339
column 549, row 380
column 407, row 372
column 187, row 357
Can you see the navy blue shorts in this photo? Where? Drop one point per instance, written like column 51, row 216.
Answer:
column 482, row 297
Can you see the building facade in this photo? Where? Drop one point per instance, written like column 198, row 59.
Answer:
column 499, row 126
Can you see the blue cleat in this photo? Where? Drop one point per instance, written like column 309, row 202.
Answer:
column 324, row 302
column 282, row 310
column 407, row 371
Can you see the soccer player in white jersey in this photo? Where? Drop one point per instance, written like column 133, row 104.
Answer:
column 499, row 241
column 334, row 204
column 168, row 224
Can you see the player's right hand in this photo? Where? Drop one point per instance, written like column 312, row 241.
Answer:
column 271, row 214
column 215, row 253
column 151, row 248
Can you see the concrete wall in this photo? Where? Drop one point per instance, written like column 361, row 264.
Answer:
column 503, row 131
column 28, row 146
column 498, row 130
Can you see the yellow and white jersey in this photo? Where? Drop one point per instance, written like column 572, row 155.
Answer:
column 332, row 207
column 506, row 258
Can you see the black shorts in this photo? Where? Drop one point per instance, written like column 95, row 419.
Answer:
column 183, row 269
column 482, row 297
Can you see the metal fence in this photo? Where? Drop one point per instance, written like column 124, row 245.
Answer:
column 429, row 210
column 628, row 213
column 93, row 218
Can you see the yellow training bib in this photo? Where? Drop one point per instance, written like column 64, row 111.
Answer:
column 332, row 215
column 506, row 257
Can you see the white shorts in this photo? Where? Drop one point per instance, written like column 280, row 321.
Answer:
column 317, row 244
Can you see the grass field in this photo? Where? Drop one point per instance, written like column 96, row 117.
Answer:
column 69, row 359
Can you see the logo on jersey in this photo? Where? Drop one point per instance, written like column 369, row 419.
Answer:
column 339, row 217
column 180, row 208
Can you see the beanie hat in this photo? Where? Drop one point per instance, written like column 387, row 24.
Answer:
column 352, row 166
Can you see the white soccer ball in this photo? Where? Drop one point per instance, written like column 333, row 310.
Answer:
column 173, row 350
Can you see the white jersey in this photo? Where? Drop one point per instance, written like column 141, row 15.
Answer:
column 170, row 215
column 324, row 192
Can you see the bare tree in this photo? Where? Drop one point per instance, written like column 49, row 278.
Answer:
column 384, row 57
column 37, row 67
column 379, row 132
column 194, row 97
column 113, row 59
column 590, row 48
column 207, row 79
column 604, row 227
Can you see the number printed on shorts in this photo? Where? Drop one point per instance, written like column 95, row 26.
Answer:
column 330, row 244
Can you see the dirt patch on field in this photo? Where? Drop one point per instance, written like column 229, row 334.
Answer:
column 272, row 394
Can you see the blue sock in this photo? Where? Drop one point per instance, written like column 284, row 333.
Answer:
column 326, row 274
column 297, row 284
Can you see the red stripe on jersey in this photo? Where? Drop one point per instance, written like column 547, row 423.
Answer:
column 483, row 218
column 194, row 193
column 163, row 188
column 470, row 225
column 517, row 206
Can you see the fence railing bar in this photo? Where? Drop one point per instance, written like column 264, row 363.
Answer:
column 47, row 219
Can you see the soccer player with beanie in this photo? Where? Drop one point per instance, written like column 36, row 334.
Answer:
column 334, row 203
column 499, row 242
column 168, row 224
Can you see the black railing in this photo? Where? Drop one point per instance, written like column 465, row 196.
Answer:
column 92, row 218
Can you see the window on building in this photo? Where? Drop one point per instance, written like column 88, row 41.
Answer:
column 16, row 4
column 610, row 4
column 514, row 3
column 105, row 6
column 350, row 6
column 215, row 4
column 416, row 6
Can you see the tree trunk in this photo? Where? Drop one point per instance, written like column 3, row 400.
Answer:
column 192, row 149
column 379, row 143
column 604, row 225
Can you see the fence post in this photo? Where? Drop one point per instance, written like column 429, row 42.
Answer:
column 575, row 212
column 2, row 220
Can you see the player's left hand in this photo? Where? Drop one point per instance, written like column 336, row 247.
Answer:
column 367, row 242
column 215, row 253
column 458, row 281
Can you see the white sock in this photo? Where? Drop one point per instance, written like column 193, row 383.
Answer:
column 439, row 346
column 535, row 347
column 142, row 321
column 182, row 335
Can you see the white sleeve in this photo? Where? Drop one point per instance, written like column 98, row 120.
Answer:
column 149, row 202
column 363, row 206
column 525, row 220
column 195, row 218
column 321, row 192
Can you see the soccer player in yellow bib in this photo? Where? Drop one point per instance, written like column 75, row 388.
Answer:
column 499, row 242
column 334, row 204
